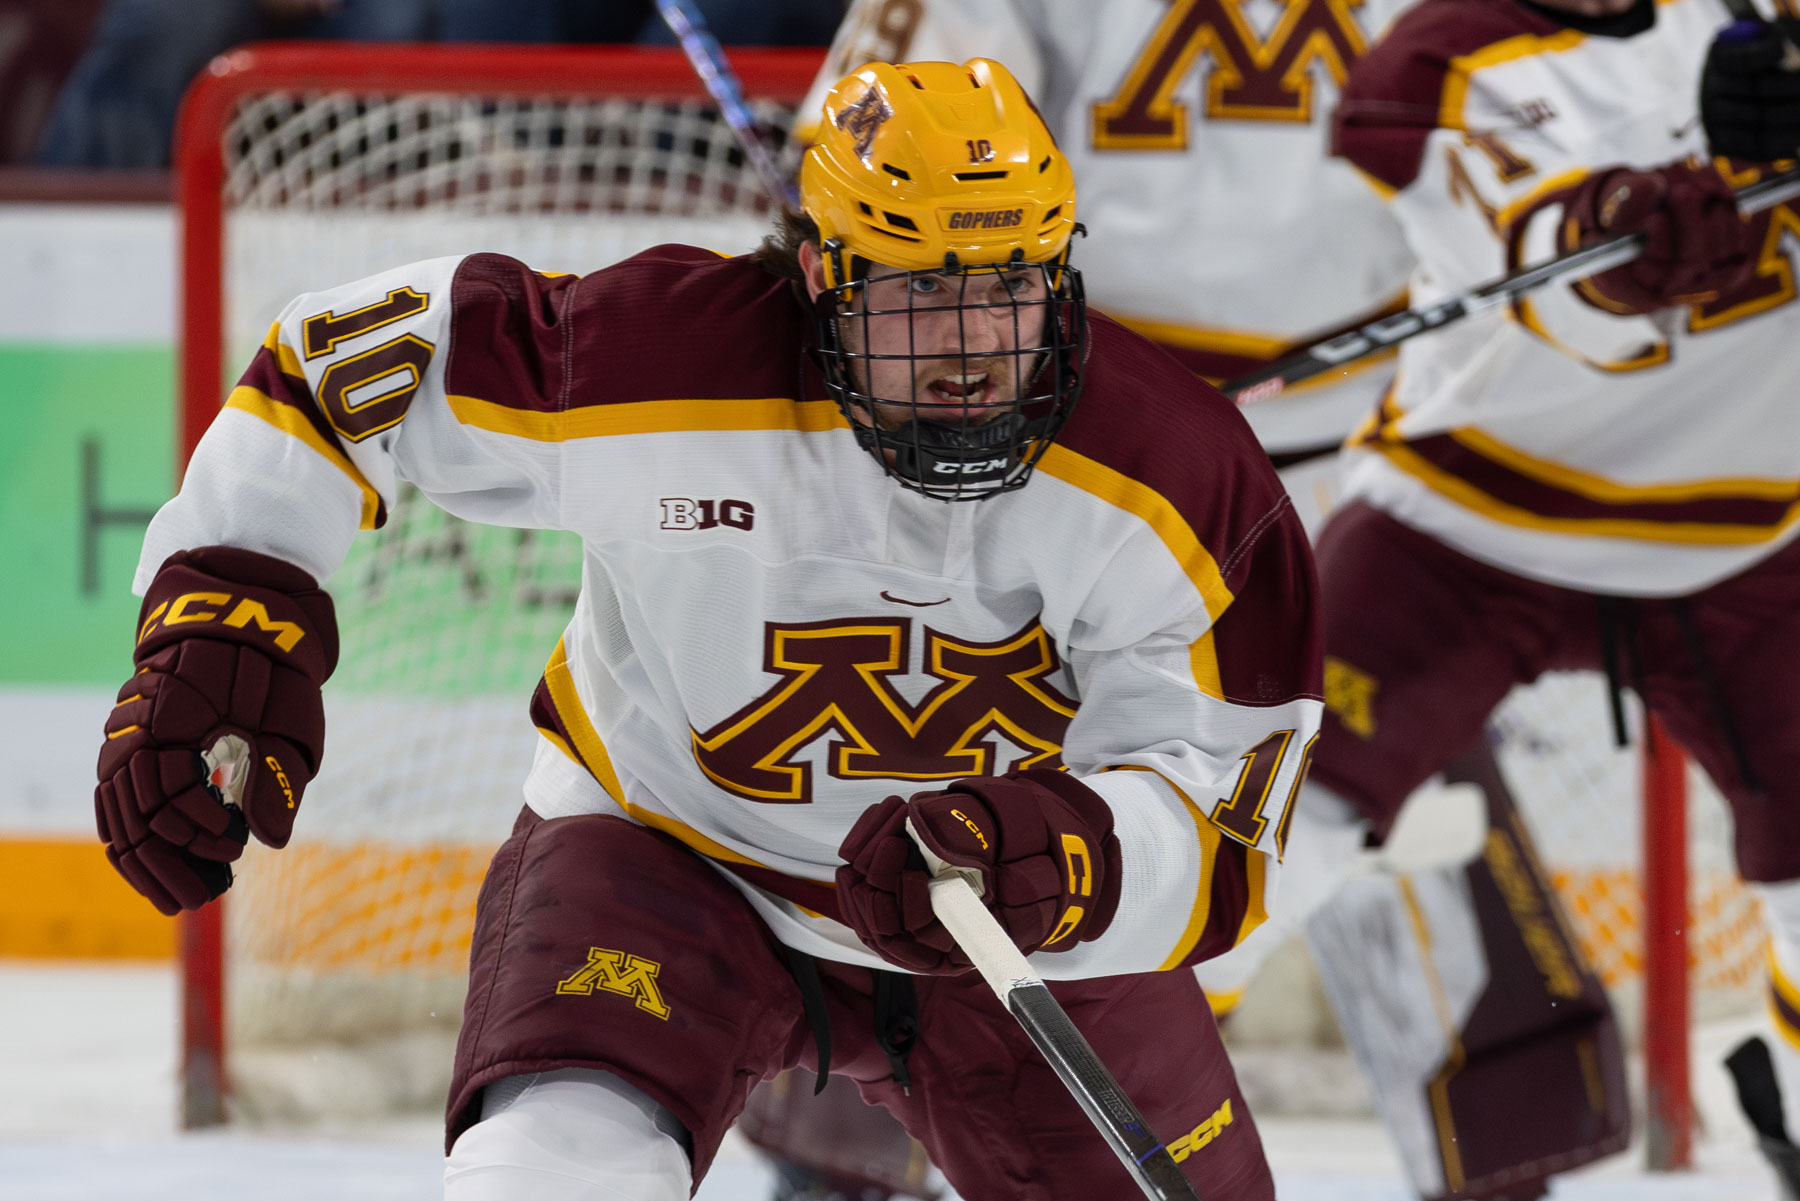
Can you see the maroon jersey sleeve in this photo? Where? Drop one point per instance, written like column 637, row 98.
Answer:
column 1147, row 418
column 1394, row 96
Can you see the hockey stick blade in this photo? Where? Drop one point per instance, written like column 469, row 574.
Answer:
column 956, row 900
column 715, row 71
column 1266, row 383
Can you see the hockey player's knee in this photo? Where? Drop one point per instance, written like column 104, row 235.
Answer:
column 1325, row 841
column 569, row 1135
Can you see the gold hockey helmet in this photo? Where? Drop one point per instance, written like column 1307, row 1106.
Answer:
column 926, row 165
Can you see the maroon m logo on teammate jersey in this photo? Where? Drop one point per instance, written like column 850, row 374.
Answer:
column 1251, row 79
column 836, row 677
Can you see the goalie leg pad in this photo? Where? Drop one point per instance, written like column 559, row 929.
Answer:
column 1491, row 1048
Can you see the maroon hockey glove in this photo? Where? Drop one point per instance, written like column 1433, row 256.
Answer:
column 1042, row 840
column 1696, row 244
column 230, row 643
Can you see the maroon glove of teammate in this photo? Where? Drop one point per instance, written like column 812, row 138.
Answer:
column 230, row 642
column 1043, row 841
column 1696, row 244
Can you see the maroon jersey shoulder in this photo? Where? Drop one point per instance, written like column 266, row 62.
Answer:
column 1147, row 417
column 1393, row 98
column 671, row 322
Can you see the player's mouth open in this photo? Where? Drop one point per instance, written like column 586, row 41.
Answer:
column 961, row 395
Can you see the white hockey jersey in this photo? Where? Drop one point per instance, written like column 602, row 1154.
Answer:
column 1638, row 456
column 772, row 635
column 1217, row 223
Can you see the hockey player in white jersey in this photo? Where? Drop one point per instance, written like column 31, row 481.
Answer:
column 1095, row 682
column 1606, row 476
column 1218, row 224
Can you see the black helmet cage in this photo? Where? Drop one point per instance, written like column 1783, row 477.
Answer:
column 956, row 460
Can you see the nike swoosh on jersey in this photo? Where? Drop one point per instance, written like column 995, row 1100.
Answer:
column 900, row 600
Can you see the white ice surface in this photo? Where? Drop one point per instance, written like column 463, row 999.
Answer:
column 87, row 1113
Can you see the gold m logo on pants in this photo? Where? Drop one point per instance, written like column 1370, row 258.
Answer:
column 617, row 972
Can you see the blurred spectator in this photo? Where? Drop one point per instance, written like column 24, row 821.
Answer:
column 119, row 104
column 758, row 22
column 39, row 43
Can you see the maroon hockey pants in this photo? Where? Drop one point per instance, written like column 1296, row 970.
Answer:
column 601, row 944
column 1422, row 643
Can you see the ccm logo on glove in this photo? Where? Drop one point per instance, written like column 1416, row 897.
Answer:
column 1042, row 842
column 232, row 649
column 193, row 606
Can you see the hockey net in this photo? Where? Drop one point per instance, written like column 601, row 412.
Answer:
column 343, row 956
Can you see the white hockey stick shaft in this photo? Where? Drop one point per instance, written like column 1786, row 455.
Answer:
column 956, row 900
column 1266, row 383
column 715, row 71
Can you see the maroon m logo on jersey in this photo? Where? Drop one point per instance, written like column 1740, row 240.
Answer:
column 836, row 678
column 1252, row 79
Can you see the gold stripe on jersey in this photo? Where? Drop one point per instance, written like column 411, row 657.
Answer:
column 1383, row 188
column 1241, row 342
column 1607, row 491
column 293, row 422
column 1256, row 869
column 556, row 740
column 1470, row 497
column 1782, row 993
column 1205, row 337
column 285, row 356
column 1455, row 95
column 594, row 756
column 1208, row 837
column 1508, row 213
column 1266, row 347
column 649, row 417
column 1150, row 507
column 1203, row 654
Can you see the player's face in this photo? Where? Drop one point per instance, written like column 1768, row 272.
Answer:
column 944, row 347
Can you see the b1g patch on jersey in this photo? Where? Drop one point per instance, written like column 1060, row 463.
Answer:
column 981, row 218
column 617, row 972
column 685, row 513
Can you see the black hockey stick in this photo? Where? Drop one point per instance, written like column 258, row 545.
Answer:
column 715, row 71
column 956, row 900
column 1266, row 383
